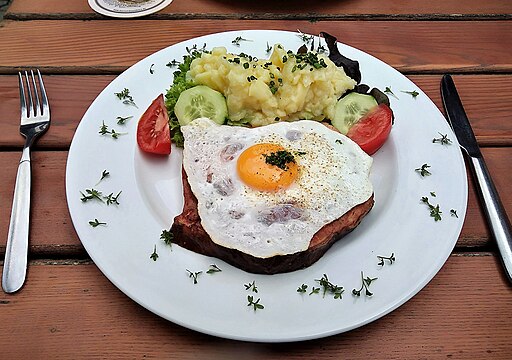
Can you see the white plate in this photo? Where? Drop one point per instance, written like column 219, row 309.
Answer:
column 152, row 195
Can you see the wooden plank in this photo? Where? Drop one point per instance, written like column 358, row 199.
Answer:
column 486, row 99
column 72, row 311
column 70, row 96
column 76, row 46
column 51, row 230
column 280, row 8
column 49, row 207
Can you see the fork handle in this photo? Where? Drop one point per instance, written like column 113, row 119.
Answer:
column 16, row 252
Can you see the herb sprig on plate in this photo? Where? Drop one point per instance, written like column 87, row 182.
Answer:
column 391, row 259
column 423, row 170
column 435, row 212
column 125, row 96
column 365, row 284
column 443, row 140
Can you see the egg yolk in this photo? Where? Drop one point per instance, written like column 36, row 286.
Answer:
column 258, row 173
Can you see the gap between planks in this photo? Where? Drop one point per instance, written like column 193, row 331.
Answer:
column 313, row 17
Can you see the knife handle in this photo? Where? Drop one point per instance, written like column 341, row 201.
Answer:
column 495, row 213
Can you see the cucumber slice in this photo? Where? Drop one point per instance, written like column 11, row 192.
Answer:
column 350, row 108
column 201, row 101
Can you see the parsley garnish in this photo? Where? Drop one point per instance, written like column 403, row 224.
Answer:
column 302, row 288
column 167, row 237
column 338, row 141
column 391, row 259
column 126, row 97
column 280, row 159
column 434, row 210
column 305, row 38
column 321, row 49
column 213, row 269
column 98, row 195
column 154, row 255
column 413, row 93
column 388, row 90
column 115, row 134
column 336, row 290
column 252, row 286
column 443, row 140
column 172, row 63
column 314, row 290
column 255, row 304
column 111, row 199
column 194, row 275
column 151, row 71
column 104, row 131
column 365, row 285
column 195, row 51
column 96, row 223
column 237, row 40
column 91, row 194
column 104, row 174
column 423, row 170
column 453, row 212
column 122, row 120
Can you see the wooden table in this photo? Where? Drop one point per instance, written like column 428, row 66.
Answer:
column 68, row 309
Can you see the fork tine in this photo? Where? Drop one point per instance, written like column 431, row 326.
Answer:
column 30, row 111
column 23, row 104
column 43, row 93
column 37, row 105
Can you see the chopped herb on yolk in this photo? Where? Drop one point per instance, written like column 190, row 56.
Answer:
column 280, row 159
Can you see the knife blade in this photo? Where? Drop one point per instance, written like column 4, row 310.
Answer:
column 497, row 218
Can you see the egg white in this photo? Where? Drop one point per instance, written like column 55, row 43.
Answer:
column 333, row 178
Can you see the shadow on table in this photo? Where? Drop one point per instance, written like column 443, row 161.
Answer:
column 279, row 6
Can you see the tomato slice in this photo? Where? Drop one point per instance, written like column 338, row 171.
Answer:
column 153, row 132
column 372, row 130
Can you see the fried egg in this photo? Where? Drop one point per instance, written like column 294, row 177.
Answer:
column 266, row 191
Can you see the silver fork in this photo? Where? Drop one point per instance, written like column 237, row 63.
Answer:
column 35, row 120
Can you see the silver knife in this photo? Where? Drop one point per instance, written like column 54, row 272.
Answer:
column 493, row 208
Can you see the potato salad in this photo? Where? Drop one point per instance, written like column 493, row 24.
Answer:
column 288, row 86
